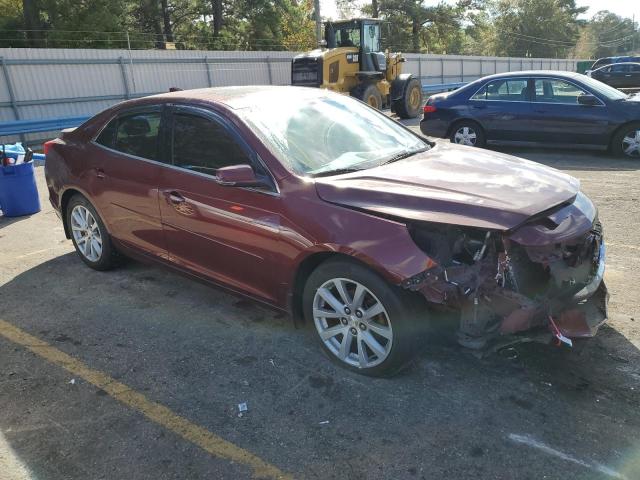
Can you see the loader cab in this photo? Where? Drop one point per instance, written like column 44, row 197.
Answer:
column 363, row 34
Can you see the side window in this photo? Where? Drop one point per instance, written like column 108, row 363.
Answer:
column 480, row 94
column 557, row 91
column 635, row 68
column 371, row 38
column 495, row 89
column 204, row 146
column 620, row 68
column 504, row 90
column 108, row 135
column 134, row 134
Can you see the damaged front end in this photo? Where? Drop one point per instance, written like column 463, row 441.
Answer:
column 544, row 277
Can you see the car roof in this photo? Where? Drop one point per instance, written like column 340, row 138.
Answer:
column 240, row 97
column 534, row 73
column 616, row 64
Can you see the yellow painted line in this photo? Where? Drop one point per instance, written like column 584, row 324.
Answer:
column 155, row 412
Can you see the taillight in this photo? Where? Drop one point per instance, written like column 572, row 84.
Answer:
column 429, row 108
column 47, row 145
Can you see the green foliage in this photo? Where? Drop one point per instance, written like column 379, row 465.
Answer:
column 536, row 28
column 607, row 34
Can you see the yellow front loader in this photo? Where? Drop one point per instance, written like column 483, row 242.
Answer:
column 351, row 62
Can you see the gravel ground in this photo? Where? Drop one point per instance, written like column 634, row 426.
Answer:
column 535, row 412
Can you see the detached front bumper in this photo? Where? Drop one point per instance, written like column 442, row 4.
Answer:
column 514, row 288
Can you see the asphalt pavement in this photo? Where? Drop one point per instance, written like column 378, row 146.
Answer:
column 138, row 373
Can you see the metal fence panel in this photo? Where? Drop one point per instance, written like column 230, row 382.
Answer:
column 51, row 83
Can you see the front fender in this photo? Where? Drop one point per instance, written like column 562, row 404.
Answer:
column 389, row 250
column 399, row 84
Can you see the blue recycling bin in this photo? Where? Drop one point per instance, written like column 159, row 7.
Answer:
column 18, row 190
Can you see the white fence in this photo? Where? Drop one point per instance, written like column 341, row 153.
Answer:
column 53, row 83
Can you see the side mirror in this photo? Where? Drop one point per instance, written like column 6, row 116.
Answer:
column 238, row 176
column 588, row 100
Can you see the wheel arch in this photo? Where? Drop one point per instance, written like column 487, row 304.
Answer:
column 313, row 260
column 458, row 121
column 66, row 196
column 617, row 130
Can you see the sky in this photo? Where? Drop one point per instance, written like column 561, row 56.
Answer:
column 624, row 8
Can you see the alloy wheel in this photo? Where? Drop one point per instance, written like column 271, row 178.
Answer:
column 631, row 144
column 86, row 233
column 352, row 323
column 466, row 136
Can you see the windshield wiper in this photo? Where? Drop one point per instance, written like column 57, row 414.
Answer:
column 403, row 155
column 337, row 171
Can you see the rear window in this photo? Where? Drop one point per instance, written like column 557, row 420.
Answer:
column 134, row 134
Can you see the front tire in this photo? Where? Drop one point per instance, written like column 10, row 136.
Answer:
column 626, row 142
column 369, row 94
column 468, row 133
column 89, row 234
column 410, row 104
column 362, row 323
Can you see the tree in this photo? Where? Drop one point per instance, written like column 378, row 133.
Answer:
column 416, row 27
column 606, row 34
column 535, row 28
column 216, row 6
column 31, row 21
column 166, row 20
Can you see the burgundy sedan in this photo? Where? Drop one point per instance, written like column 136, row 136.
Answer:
column 319, row 205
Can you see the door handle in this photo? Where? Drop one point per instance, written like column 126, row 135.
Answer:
column 628, row 75
column 175, row 198
column 100, row 173
column 479, row 107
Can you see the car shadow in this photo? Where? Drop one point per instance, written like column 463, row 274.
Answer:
column 199, row 349
column 571, row 159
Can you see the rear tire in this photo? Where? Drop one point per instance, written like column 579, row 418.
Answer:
column 410, row 104
column 351, row 333
column 469, row 133
column 626, row 142
column 369, row 94
column 89, row 234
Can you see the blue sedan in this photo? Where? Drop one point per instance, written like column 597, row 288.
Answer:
column 538, row 107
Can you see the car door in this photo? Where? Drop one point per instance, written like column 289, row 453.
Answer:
column 559, row 118
column 127, row 155
column 224, row 233
column 602, row 74
column 619, row 76
column 503, row 108
column 633, row 76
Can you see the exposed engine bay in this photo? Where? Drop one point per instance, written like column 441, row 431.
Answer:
column 545, row 274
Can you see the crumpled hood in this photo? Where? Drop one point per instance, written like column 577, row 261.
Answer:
column 455, row 185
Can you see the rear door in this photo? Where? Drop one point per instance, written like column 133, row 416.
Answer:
column 633, row 76
column 225, row 233
column 559, row 118
column 127, row 156
column 620, row 75
column 503, row 108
